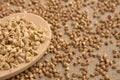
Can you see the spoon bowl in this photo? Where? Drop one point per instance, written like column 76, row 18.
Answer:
column 39, row 22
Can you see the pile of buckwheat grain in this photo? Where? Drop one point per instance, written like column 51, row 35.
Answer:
column 19, row 42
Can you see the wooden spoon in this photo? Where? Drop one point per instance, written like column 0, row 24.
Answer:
column 39, row 22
